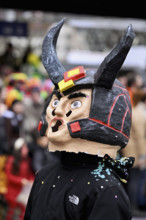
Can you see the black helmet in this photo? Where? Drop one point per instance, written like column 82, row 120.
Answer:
column 109, row 120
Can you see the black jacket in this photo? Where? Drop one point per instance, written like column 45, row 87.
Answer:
column 80, row 187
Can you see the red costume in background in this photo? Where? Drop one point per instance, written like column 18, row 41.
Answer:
column 15, row 184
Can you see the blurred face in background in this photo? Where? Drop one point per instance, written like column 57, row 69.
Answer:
column 35, row 95
column 3, row 94
column 138, row 81
column 18, row 107
column 24, row 151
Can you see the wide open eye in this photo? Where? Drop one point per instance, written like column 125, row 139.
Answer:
column 76, row 104
column 55, row 103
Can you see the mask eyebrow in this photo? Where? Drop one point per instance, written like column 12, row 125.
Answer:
column 77, row 94
column 58, row 94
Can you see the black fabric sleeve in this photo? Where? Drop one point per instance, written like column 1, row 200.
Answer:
column 111, row 204
column 37, row 161
column 29, row 205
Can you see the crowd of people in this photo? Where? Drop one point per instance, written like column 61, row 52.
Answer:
column 23, row 151
column 136, row 147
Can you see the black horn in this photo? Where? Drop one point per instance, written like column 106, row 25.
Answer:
column 112, row 63
column 49, row 57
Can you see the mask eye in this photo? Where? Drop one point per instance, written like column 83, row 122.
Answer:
column 76, row 104
column 55, row 103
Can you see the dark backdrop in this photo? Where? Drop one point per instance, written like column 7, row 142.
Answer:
column 127, row 9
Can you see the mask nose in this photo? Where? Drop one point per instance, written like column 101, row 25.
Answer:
column 59, row 110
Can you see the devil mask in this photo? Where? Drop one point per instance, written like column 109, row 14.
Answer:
column 88, row 107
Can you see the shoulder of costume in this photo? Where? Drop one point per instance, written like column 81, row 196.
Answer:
column 45, row 170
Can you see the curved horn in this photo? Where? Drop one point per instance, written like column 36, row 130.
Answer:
column 49, row 56
column 112, row 63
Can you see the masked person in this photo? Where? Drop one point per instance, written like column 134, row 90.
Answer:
column 87, row 118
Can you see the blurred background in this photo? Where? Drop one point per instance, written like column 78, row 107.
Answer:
column 88, row 35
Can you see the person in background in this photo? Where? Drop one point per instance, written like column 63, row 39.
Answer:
column 16, row 80
column 33, row 105
column 3, row 135
column 8, row 60
column 13, row 117
column 137, row 142
column 137, row 148
column 3, row 186
column 41, row 155
column 134, row 83
column 19, row 173
column 31, row 62
column 4, row 148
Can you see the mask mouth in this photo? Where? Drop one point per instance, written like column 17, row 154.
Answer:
column 55, row 124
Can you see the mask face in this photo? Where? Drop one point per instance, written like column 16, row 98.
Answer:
column 63, row 109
